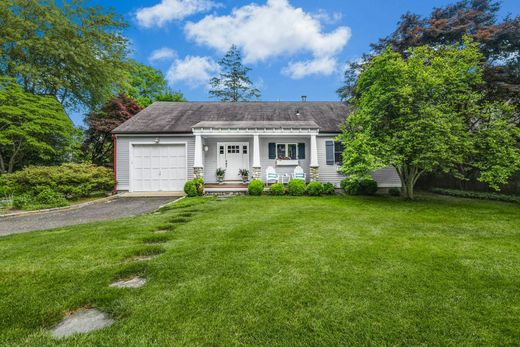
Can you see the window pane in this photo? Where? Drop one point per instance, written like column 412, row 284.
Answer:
column 280, row 150
column 291, row 149
column 244, row 149
column 221, row 150
column 338, row 151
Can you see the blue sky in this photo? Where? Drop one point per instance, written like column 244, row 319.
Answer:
column 294, row 47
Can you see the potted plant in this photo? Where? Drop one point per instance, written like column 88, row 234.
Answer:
column 244, row 173
column 220, row 175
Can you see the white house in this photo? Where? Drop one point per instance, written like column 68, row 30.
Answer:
column 168, row 143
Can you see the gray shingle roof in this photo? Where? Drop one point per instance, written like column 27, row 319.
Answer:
column 181, row 117
column 257, row 124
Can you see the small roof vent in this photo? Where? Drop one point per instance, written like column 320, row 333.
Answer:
column 297, row 112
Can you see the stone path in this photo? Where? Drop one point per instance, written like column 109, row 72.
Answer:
column 82, row 322
column 134, row 282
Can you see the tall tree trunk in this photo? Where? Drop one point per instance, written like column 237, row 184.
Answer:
column 409, row 175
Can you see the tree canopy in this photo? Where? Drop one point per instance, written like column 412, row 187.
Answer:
column 426, row 112
column 233, row 84
column 33, row 129
column 146, row 85
column 98, row 136
column 71, row 51
column 499, row 42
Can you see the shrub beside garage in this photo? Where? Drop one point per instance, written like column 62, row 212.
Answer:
column 52, row 186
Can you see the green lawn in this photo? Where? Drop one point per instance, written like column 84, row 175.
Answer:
column 276, row 271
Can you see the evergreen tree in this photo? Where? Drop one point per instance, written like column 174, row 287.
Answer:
column 233, row 84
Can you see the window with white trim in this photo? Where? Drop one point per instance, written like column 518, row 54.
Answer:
column 287, row 151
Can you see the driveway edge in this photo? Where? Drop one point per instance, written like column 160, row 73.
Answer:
column 54, row 209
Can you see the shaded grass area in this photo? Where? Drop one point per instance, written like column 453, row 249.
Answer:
column 276, row 271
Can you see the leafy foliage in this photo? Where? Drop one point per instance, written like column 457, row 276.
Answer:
column 194, row 187
column 296, row 187
column 277, row 189
column 314, row 188
column 233, row 84
column 428, row 112
column 40, row 197
column 69, row 180
column 98, row 144
column 477, row 195
column 329, row 188
column 255, row 187
column 69, row 51
column 499, row 42
column 146, row 85
column 359, row 186
column 33, row 128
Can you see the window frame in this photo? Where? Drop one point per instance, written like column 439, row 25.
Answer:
column 340, row 162
column 286, row 144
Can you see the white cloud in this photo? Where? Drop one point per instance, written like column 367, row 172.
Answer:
column 163, row 53
column 193, row 70
column 326, row 17
column 319, row 66
column 274, row 29
column 169, row 10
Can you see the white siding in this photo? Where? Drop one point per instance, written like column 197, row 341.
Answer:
column 385, row 178
column 123, row 159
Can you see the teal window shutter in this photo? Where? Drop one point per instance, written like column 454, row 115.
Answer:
column 272, row 150
column 329, row 152
column 301, row 151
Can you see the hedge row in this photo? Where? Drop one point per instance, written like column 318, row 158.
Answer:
column 476, row 195
column 295, row 187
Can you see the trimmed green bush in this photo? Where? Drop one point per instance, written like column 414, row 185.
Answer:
column 314, row 188
column 394, row 192
column 363, row 186
column 329, row 189
column 194, row 187
column 296, row 187
column 477, row 195
column 255, row 187
column 199, row 185
column 41, row 197
column 277, row 189
column 70, row 180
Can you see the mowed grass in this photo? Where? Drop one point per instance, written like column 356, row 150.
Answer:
column 275, row 271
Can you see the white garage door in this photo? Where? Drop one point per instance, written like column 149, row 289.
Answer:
column 160, row 167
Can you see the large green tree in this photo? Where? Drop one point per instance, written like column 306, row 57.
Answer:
column 233, row 84
column 427, row 112
column 498, row 41
column 71, row 51
column 34, row 129
column 146, row 85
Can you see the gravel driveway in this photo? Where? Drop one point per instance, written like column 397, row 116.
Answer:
column 106, row 210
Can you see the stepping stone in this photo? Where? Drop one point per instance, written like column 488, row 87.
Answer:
column 82, row 322
column 143, row 257
column 135, row 282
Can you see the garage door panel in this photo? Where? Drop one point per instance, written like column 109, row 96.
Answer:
column 158, row 167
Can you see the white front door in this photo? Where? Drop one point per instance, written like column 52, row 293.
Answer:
column 233, row 156
column 158, row 167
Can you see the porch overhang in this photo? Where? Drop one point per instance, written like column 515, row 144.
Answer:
column 266, row 128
